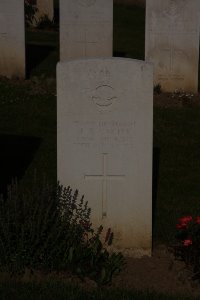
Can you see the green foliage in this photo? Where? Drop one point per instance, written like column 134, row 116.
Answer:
column 49, row 228
column 157, row 89
column 60, row 290
column 42, row 23
column 45, row 23
column 29, row 228
column 30, row 11
column 92, row 259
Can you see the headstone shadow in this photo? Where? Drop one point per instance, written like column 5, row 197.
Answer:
column 16, row 153
column 155, row 178
column 35, row 54
column 119, row 54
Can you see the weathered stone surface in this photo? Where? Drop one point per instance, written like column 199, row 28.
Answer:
column 104, row 131
column 172, row 42
column 12, row 38
column 86, row 28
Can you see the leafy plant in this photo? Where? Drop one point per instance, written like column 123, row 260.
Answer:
column 93, row 260
column 30, row 11
column 157, row 89
column 188, row 246
column 48, row 227
column 45, row 23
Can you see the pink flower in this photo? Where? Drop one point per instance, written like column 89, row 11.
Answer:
column 187, row 242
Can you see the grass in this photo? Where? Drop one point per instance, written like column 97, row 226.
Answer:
column 29, row 109
column 42, row 53
column 176, row 135
column 61, row 291
column 24, row 111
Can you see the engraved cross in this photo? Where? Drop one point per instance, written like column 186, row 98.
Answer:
column 85, row 42
column 171, row 49
column 104, row 178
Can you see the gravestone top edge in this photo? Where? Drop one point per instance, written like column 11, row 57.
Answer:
column 106, row 59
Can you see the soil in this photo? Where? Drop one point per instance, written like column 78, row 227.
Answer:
column 178, row 99
column 160, row 273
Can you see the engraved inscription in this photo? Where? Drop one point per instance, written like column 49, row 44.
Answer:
column 3, row 22
column 3, row 35
column 102, row 75
column 86, row 3
column 104, row 178
column 104, row 97
column 104, row 132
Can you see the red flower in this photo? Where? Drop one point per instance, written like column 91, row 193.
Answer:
column 187, row 242
column 198, row 220
column 181, row 226
column 185, row 220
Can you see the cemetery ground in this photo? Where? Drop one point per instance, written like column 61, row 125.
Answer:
column 28, row 117
column 28, row 109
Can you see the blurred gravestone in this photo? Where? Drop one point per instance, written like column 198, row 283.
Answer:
column 86, row 28
column 172, row 43
column 12, row 39
column 104, row 131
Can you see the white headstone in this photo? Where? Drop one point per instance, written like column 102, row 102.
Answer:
column 86, row 28
column 12, row 39
column 172, row 43
column 45, row 8
column 104, row 131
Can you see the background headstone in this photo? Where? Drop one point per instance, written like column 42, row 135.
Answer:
column 172, row 43
column 45, row 7
column 104, row 132
column 12, row 38
column 86, row 28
